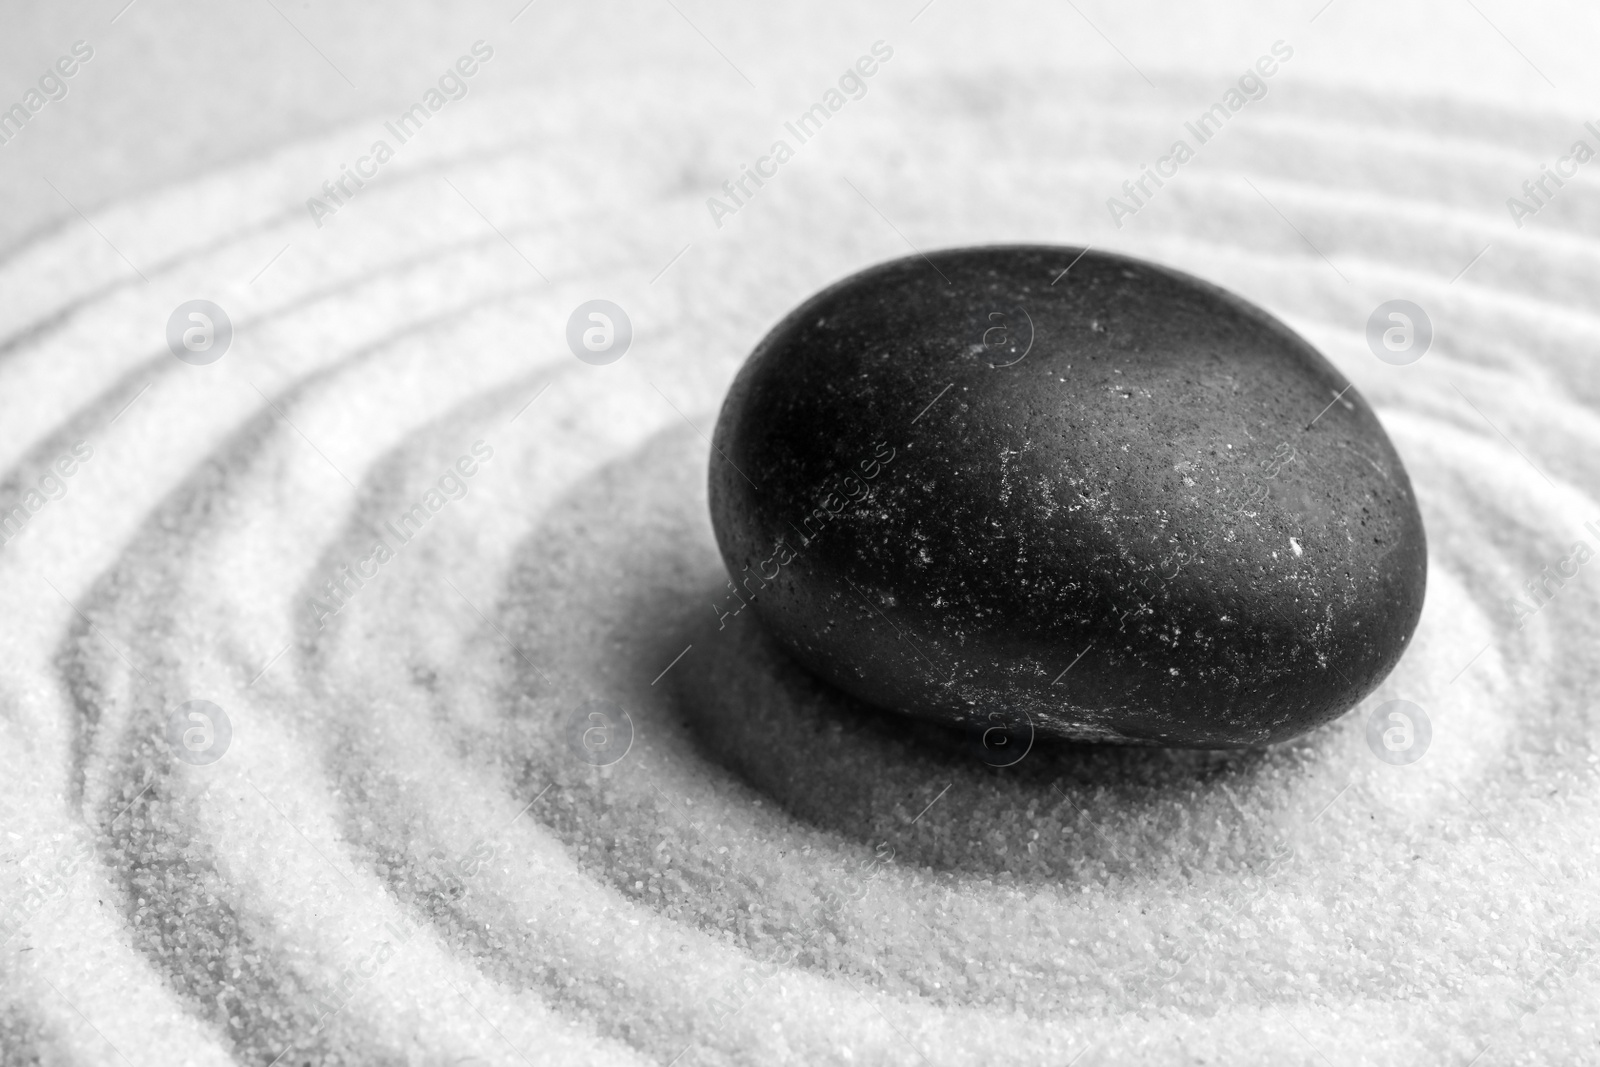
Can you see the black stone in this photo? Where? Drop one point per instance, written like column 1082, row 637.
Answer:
column 1121, row 503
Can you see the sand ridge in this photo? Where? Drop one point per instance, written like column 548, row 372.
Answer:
column 767, row 876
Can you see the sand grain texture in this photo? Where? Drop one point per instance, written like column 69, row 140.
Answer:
column 782, row 895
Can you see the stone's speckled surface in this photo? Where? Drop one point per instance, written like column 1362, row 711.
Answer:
column 1127, row 503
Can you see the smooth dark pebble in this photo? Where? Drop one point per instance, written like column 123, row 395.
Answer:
column 1117, row 504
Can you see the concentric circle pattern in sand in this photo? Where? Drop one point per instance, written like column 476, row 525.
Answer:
column 399, row 859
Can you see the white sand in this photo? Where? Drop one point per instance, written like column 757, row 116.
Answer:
column 717, row 896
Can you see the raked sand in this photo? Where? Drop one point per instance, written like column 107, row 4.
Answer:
column 398, row 859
